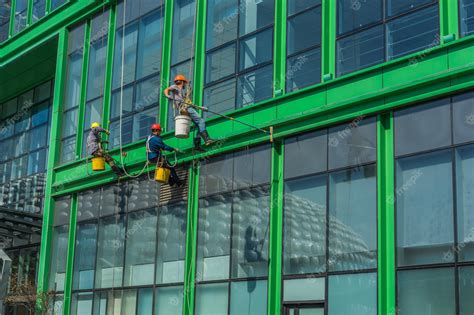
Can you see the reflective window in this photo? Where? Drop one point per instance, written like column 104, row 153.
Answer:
column 84, row 256
column 239, row 50
column 466, row 8
column 57, row 3
column 21, row 15
column 466, row 287
column 39, row 9
column 353, row 294
column 366, row 35
column 5, row 9
column 169, row 300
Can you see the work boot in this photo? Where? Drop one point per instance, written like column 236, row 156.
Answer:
column 207, row 139
column 197, row 145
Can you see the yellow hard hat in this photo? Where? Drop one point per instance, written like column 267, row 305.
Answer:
column 95, row 125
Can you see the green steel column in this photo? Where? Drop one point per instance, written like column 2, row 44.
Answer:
column 279, row 68
column 200, row 51
column 48, row 6
column 53, row 154
column 449, row 20
column 276, row 230
column 82, row 98
column 165, row 62
column 191, row 244
column 109, row 68
column 386, row 215
column 70, row 256
column 328, row 41
column 12, row 18
column 29, row 13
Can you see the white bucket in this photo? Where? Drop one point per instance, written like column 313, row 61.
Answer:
column 182, row 126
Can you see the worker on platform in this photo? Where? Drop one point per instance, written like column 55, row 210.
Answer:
column 94, row 147
column 181, row 102
column 154, row 147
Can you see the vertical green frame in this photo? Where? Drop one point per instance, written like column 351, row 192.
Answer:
column 386, row 215
column 328, row 40
column 70, row 256
column 449, row 20
column 279, row 60
column 53, row 154
column 48, row 6
column 109, row 67
column 200, row 52
column 165, row 62
column 12, row 18
column 276, row 230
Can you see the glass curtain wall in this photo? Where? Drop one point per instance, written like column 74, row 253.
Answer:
column 233, row 230
column 434, row 200
column 239, row 53
column 466, row 11
column 371, row 32
column 330, row 225
column 136, row 70
column 5, row 9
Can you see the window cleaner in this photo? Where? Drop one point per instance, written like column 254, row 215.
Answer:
column 95, row 148
column 177, row 93
column 154, row 147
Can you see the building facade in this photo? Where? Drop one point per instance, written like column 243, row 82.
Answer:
column 360, row 200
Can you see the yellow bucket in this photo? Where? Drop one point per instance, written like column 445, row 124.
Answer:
column 162, row 175
column 98, row 164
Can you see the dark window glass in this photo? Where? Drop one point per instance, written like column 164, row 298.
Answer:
column 183, row 29
column 57, row 3
column 255, row 15
column 255, row 86
column 355, row 14
column 255, row 50
column 466, row 8
column 395, row 7
column 295, row 6
column 303, row 70
column 5, row 9
column 466, row 287
column 21, row 15
column 39, row 9
column 222, row 18
column 220, row 97
column 220, row 63
column 84, row 256
column 304, row 30
column 463, row 118
column 298, row 149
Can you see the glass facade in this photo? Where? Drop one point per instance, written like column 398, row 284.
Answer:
column 382, row 30
column 239, row 53
column 5, row 8
column 24, row 140
column 466, row 10
column 434, row 217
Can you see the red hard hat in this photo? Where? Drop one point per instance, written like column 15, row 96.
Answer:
column 155, row 127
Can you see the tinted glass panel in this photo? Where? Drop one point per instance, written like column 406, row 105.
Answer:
column 220, row 63
column 212, row 299
column 308, row 289
column 183, row 30
column 463, row 117
column 221, row 97
column 169, row 300
column 466, row 287
column 303, row 70
column 255, row 15
column 248, row 297
column 304, row 30
column 354, row 14
column 353, row 294
column 255, row 50
column 295, row 6
column 395, row 7
column 467, row 14
column 85, row 253
column 255, row 86
column 149, row 45
column 221, row 22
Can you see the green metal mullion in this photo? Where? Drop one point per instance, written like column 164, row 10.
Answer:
column 12, row 18
column 109, row 68
column 276, row 231
column 386, row 215
column 29, row 13
column 279, row 68
column 328, row 60
column 53, row 154
column 200, row 51
column 82, row 98
column 48, row 6
column 165, row 62
column 191, row 245
column 70, row 256
column 449, row 20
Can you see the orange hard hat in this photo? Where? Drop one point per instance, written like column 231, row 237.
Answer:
column 156, row 127
column 180, row 77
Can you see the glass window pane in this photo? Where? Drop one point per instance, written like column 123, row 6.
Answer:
column 81, row 304
column 222, row 16
column 466, row 287
column 142, row 122
column 221, row 97
column 463, row 117
column 220, row 63
column 149, row 45
column 39, row 7
column 122, row 99
column 415, row 127
column 353, row 143
column 97, row 59
column 129, row 302
column 467, row 14
column 57, row 3
column 142, row 194
column 169, row 301
column 214, row 228
column 216, row 175
column 148, row 93
column 256, row 50
column 145, row 302
column 428, row 291
column 395, row 7
column 184, row 17
column 73, row 80
column 255, row 86
column 141, row 248
column 40, row 114
column 248, row 297
column 88, row 204
column 295, row 6
column 62, row 209
column 355, row 14
column 59, row 248
column 21, row 15
column 424, row 209
column 304, row 30
column 110, row 249
column 304, row 229
column 68, row 150
column 352, row 219
column 127, row 132
column 255, row 15
column 85, row 254
column 250, row 231
column 303, row 70
column 171, row 243
column 43, row 91
column 37, row 162
column 93, row 113
column 5, row 8
column 125, row 37
column 465, row 201
column 353, row 294
column 307, row 289
column 252, row 167
column 414, row 32
column 298, row 149
column 361, row 50
column 212, row 299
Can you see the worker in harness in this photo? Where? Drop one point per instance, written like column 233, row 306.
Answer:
column 154, row 147
column 181, row 102
column 94, row 147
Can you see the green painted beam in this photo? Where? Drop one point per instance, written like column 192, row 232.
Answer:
column 328, row 40
column 82, row 99
column 165, row 63
column 48, row 210
column 191, row 241
column 12, row 18
column 70, row 256
column 386, row 215
column 279, row 48
column 109, row 67
column 276, row 230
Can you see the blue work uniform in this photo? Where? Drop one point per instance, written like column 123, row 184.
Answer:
column 154, row 146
